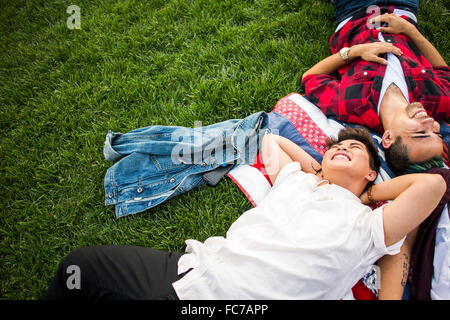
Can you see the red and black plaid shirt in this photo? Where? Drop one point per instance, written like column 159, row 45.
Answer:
column 353, row 95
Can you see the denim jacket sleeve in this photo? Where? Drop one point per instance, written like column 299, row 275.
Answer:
column 156, row 163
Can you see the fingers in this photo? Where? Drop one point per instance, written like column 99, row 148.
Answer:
column 379, row 60
column 376, row 48
column 393, row 49
column 383, row 47
column 387, row 17
column 386, row 29
column 376, row 21
column 392, row 23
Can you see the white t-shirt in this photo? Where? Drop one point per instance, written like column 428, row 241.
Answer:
column 303, row 241
column 440, row 284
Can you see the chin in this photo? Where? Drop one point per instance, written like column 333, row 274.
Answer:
column 338, row 167
column 339, row 163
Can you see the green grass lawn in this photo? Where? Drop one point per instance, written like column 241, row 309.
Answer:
column 134, row 64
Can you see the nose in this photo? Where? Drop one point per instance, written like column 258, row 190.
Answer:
column 428, row 124
column 342, row 148
column 436, row 126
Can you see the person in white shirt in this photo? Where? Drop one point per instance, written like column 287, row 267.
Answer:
column 312, row 237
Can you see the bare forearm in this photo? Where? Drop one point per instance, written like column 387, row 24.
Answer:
column 414, row 197
column 366, row 51
column 426, row 48
column 391, row 189
column 327, row 65
column 393, row 276
column 398, row 25
column 272, row 156
column 296, row 153
column 394, row 270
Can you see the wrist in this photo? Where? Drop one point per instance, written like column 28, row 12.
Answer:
column 354, row 52
column 412, row 32
column 369, row 192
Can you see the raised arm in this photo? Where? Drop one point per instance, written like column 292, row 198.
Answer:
column 398, row 25
column 277, row 151
column 365, row 51
column 414, row 197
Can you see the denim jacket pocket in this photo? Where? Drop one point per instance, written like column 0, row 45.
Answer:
column 167, row 163
column 130, row 204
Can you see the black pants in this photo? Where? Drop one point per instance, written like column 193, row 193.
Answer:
column 115, row 272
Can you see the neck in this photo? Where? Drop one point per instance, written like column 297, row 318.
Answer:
column 393, row 101
column 355, row 185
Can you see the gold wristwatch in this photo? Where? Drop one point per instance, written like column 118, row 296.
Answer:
column 344, row 53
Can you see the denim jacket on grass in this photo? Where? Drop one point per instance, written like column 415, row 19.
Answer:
column 156, row 163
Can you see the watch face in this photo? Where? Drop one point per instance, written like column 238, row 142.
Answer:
column 344, row 53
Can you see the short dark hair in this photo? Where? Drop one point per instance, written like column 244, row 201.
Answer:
column 397, row 156
column 362, row 135
column 398, row 160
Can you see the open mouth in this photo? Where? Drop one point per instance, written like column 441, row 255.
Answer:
column 341, row 156
column 420, row 114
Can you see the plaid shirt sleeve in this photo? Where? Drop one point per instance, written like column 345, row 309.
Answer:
column 443, row 75
column 438, row 89
column 322, row 90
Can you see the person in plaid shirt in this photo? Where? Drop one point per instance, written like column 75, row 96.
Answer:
column 385, row 75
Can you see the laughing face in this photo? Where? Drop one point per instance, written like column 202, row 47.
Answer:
column 419, row 132
column 350, row 157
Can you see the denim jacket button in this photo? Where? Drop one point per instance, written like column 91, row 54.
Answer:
column 111, row 195
column 172, row 180
column 203, row 164
column 139, row 190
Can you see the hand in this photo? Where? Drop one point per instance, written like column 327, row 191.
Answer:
column 395, row 24
column 364, row 198
column 370, row 51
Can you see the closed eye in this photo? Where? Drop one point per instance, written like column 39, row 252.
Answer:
column 356, row 145
column 422, row 136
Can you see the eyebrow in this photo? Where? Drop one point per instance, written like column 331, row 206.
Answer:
column 350, row 145
column 357, row 144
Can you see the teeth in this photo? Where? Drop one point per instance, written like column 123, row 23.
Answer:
column 341, row 156
column 421, row 114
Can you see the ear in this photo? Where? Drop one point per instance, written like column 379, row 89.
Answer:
column 372, row 175
column 387, row 139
